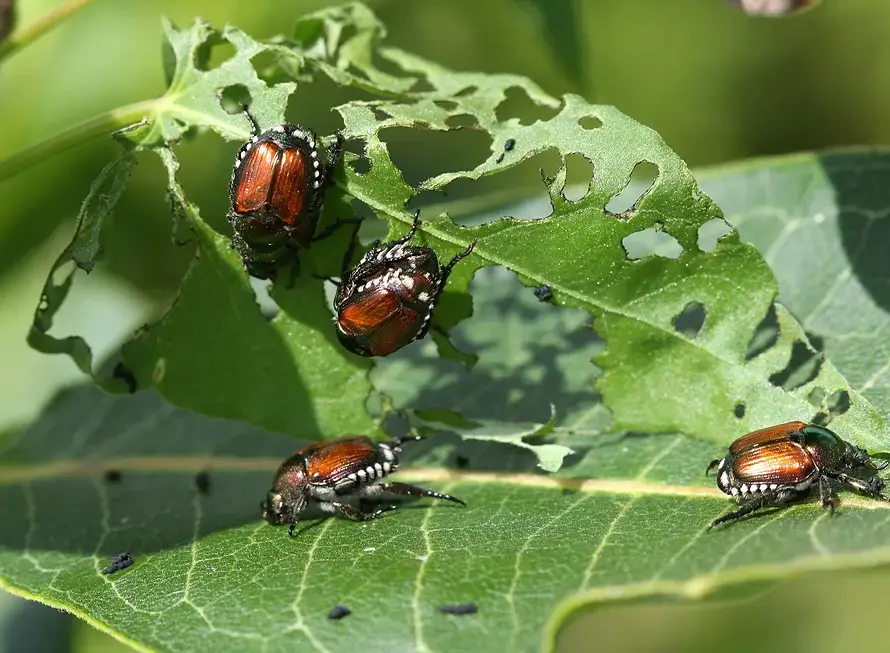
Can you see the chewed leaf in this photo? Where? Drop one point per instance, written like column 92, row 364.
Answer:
column 180, row 493
column 550, row 456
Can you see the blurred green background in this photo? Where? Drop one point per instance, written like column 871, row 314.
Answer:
column 718, row 86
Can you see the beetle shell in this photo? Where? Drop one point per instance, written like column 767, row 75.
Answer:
column 276, row 174
column 346, row 463
column 387, row 300
column 769, row 434
column 767, row 467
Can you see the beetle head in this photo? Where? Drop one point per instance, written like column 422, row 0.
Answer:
column 858, row 457
column 288, row 496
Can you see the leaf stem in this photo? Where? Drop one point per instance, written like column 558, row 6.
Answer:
column 97, row 126
column 34, row 31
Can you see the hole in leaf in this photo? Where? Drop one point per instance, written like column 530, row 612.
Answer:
column 498, row 193
column 361, row 165
column 234, row 98
column 802, row 367
column 421, row 85
column 641, row 180
column 517, row 104
column 816, row 396
column 739, row 410
column 466, row 92
column 711, row 232
column 579, row 175
column 381, row 115
column 651, row 241
column 270, row 67
column 462, row 120
column 766, row 335
column 422, row 153
column 448, row 105
column 691, row 319
column 590, row 122
column 372, row 227
column 838, row 403
column 213, row 52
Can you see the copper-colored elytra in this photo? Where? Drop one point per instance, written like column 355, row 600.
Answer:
column 391, row 335
column 335, row 458
column 257, row 176
column 369, row 311
column 273, row 180
column 288, row 192
column 781, row 461
column 769, row 434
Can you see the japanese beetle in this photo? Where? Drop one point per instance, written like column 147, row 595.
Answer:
column 387, row 300
column 330, row 473
column 775, row 465
column 276, row 192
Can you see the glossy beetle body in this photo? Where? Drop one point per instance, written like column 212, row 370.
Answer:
column 278, row 183
column 329, row 473
column 775, row 465
column 387, row 300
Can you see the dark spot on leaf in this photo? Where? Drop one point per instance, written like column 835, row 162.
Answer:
column 459, row 608
column 234, row 98
column 766, row 335
column 7, row 18
column 691, row 319
column 838, row 403
column 381, row 115
column 464, row 92
column 461, row 121
column 113, row 476
column 711, row 232
column 739, row 410
column 338, row 612
column 802, row 367
column 544, row 293
column 500, row 158
column 213, row 52
column 509, row 144
column 517, row 104
column 448, row 105
column 118, row 562
column 202, row 482
column 650, row 242
column 461, row 461
column 642, row 177
column 579, row 175
column 590, row 122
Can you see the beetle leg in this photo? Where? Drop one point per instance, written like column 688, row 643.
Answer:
column 763, row 501
column 351, row 511
column 330, row 229
column 414, row 491
column 871, row 487
column 827, row 494
column 396, row 443
column 446, row 269
column 408, row 236
column 712, row 465
column 254, row 127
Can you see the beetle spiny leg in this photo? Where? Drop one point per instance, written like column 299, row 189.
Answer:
column 414, row 226
column 446, row 270
column 351, row 511
column 827, row 494
column 414, row 491
column 712, row 465
column 396, row 443
column 254, row 126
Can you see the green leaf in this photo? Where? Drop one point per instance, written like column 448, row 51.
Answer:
column 820, row 221
column 525, row 541
column 213, row 351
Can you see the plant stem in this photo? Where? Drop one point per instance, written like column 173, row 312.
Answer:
column 27, row 35
column 100, row 125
